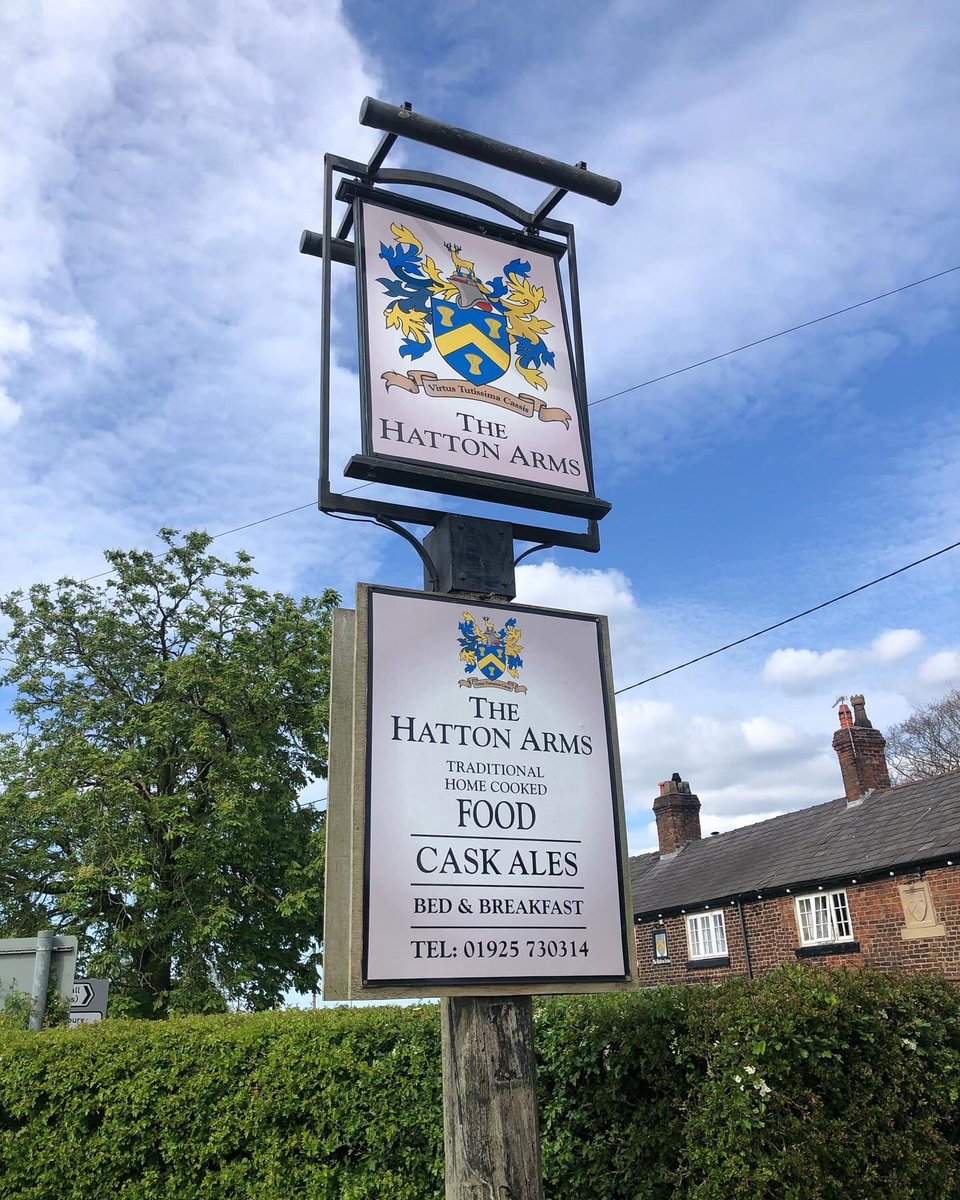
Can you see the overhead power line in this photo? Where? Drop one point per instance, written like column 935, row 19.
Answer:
column 771, row 336
column 757, row 342
column 635, row 387
column 786, row 621
column 213, row 537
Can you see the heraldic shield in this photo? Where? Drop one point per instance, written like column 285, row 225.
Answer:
column 491, row 651
column 493, row 663
column 475, row 340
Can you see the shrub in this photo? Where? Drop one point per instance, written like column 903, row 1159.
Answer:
column 801, row 1086
column 16, row 1006
column 334, row 1104
column 614, row 1077
column 825, row 1084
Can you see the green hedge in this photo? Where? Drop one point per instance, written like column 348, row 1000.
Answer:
column 801, row 1086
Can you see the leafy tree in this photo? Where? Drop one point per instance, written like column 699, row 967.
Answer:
column 927, row 743
column 167, row 721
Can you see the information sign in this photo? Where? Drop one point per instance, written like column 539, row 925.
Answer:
column 494, row 844
column 88, row 1001
column 467, row 367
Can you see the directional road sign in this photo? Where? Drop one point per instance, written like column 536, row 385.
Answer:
column 88, row 1002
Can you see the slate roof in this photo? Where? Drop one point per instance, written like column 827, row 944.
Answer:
column 890, row 828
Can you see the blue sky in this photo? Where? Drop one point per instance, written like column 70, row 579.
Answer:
column 159, row 331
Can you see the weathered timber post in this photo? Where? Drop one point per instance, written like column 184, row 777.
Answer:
column 491, row 1128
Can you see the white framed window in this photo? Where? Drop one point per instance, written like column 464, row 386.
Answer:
column 824, row 917
column 707, row 935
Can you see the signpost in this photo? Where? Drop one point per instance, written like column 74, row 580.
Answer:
column 475, row 833
column 88, row 1001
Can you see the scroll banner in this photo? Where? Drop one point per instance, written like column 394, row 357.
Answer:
column 506, row 685
column 458, row 389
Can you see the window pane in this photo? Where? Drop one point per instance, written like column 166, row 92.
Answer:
column 841, row 915
column 824, row 918
column 706, row 936
column 821, row 919
column 805, row 910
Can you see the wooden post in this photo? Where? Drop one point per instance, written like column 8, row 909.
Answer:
column 491, row 1128
column 491, row 1131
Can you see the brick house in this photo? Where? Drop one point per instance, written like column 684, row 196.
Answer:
column 871, row 879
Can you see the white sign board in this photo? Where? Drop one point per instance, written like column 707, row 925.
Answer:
column 494, row 839
column 467, row 362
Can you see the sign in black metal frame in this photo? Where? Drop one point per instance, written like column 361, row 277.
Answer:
column 571, row 983
column 335, row 247
column 478, row 485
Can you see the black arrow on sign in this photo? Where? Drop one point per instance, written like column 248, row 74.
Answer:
column 83, row 994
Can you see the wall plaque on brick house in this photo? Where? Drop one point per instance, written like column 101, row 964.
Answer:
column 919, row 914
column 488, row 834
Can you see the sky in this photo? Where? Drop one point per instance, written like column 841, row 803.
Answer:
column 159, row 332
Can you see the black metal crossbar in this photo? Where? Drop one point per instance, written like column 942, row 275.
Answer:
column 378, row 114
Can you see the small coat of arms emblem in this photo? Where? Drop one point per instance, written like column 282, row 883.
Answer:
column 491, row 652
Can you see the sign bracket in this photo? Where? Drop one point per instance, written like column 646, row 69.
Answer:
column 330, row 247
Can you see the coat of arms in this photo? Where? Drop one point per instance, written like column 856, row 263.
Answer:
column 480, row 327
column 492, row 652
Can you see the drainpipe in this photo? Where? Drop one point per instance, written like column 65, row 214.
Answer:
column 746, row 940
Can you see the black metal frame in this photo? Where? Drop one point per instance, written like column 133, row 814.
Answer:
column 332, row 248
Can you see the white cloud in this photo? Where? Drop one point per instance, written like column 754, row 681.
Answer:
column 749, row 752
column 759, row 191
column 896, row 644
column 765, row 736
column 941, row 669
column 76, row 335
column 800, row 670
column 743, row 770
column 14, row 336
column 161, row 327
column 586, row 590
column 10, row 410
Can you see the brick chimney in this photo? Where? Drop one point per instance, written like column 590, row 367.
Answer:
column 860, row 748
column 678, row 815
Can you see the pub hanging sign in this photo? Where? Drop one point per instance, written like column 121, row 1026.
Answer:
column 469, row 383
